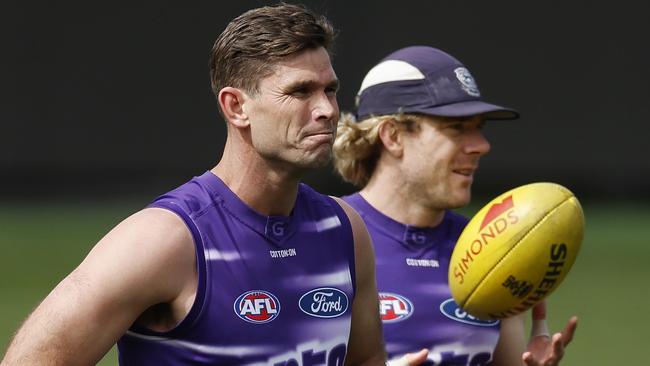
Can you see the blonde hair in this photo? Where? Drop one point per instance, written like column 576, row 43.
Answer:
column 357, row 146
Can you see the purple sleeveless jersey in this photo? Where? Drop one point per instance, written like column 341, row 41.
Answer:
column 273, row 290
column 416, row 306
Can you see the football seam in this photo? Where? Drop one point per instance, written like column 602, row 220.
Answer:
column 544, row 218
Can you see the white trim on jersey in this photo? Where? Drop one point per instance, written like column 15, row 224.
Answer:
column 213, row 254
column 207, row 349
column 328, row 223
column 338, row 278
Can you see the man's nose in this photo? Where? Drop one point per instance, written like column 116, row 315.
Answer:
column 477, row 143
column 326, row 107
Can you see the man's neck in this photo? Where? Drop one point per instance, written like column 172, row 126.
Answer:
column 391, row 196
column 269, row 190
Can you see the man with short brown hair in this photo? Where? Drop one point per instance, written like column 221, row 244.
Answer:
column 242, row 264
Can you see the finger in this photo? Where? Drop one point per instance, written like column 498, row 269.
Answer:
column 569, row 330
column 528, row 359
column 558, row 348
column 413, row 359
column 539, row 311
column 539, row 328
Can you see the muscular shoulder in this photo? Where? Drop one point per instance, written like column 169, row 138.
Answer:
column 161, row 224
column 156, row 231
column 151, row 249
column 145, row 260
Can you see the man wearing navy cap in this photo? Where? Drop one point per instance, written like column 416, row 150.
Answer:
column 413, row 148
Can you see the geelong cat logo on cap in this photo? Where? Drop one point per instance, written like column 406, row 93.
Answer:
column 467, row 81
column 257, row 306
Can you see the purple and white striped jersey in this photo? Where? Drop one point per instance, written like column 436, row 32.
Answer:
column 416, row 306
column 272, row 290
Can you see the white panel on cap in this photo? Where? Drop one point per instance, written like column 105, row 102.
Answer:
column 390, row 70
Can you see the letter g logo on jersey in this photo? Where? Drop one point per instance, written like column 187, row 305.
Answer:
column 257, row 306
column 325, row 302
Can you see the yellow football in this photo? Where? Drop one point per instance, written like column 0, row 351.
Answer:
column 516, row 250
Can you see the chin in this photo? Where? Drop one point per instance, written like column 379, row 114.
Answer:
column 461, row 200
column 454, row 205
column 314, row 162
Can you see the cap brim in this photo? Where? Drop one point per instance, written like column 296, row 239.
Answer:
column 472, row 108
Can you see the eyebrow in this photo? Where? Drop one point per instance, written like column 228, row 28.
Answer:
column 311, row 84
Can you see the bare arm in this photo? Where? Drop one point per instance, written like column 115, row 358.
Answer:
column 512, row 342
column 366, row 341
column 147, row 259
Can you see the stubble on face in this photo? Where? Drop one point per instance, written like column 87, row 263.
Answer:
column 441, row 171
column 295, row 113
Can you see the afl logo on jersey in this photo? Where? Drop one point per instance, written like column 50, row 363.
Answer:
column 257, row 307
column 452, row 311
column 394, row 307
column 326, row 302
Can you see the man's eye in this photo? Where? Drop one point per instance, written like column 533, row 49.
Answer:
column 457, row 126
column 331, row 91
column 302, row 92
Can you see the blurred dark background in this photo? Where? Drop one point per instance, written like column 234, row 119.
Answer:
column 109, row 99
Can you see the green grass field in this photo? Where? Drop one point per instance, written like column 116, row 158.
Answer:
column 41, row 243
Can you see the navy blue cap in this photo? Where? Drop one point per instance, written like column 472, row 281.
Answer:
column 425, row 80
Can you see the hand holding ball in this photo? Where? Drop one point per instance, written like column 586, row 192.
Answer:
column 516, row 250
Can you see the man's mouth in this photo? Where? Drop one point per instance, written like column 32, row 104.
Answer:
column 468, row 172
column 320, row 135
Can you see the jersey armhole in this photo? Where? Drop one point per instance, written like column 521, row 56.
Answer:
column 201, row 268
column 347, row 229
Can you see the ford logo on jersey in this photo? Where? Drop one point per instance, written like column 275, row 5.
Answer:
column 325, row 302
column 394, row 307
column 257, row 306
column 452, row 311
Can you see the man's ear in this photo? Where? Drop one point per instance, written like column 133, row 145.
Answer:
column 391, row 137
column 231, row 100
